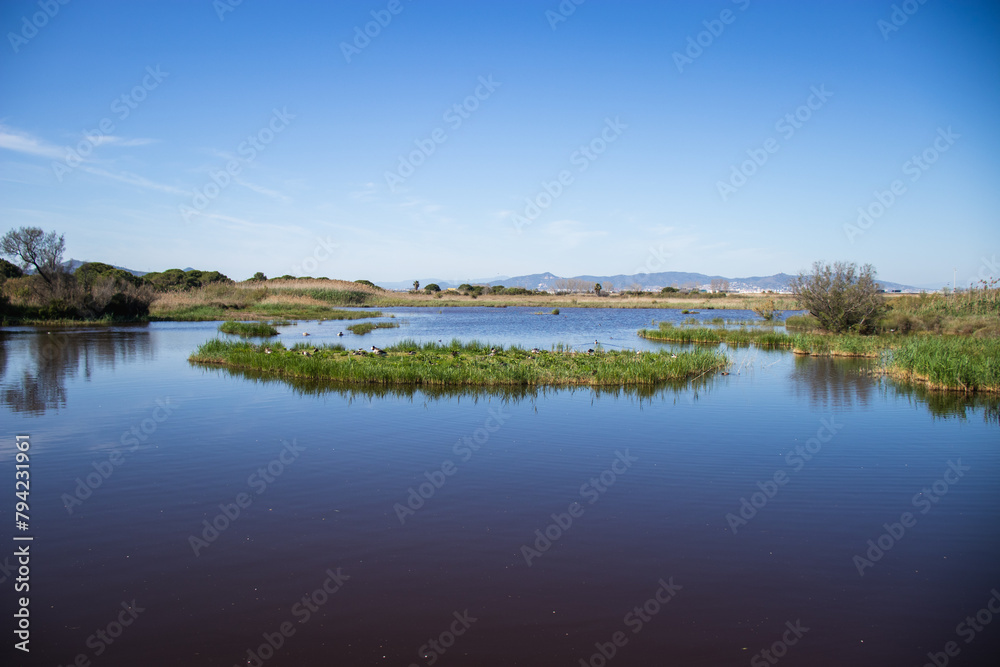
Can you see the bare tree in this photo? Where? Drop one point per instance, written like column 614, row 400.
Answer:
column 841, row 297
column 33, row 248
column 719, row 285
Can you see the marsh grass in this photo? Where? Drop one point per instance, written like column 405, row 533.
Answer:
column 248, row 329
column 966, row 364
column 367, row 327
column 736, row 337
column 958, row 363
column 463, row 364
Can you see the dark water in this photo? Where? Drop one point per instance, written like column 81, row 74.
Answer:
column 324, row 475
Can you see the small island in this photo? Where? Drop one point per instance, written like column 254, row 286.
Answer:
column 463, row 364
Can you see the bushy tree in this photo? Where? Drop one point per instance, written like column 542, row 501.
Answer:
column 258, row 277
column 33, row 248
column 89, row 273
column 841, row 297
column 8, row 270
column 433, row 287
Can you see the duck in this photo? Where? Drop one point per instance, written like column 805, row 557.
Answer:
column 267, row 350
column 341, row 333
column 305, row 333
column 376, row 350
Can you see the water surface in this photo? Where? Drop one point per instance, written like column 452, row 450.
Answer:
column 659, row 477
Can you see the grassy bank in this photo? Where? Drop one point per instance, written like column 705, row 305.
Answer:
column 297, row 300
column 457, row 364
column 965, row 364
column 959, row 363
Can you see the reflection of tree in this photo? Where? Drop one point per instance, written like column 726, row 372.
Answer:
column 41, row 362
column 832, row 382
column 951, row 404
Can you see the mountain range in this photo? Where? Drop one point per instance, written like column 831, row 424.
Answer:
column 779, row 282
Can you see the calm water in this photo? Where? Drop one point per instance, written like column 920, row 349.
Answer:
column 134, row 450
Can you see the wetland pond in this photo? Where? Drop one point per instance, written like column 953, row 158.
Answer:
column 796, row 510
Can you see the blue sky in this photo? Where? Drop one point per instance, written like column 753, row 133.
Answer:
column 614, row 138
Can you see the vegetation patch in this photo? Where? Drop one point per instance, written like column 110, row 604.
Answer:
column 264, row 329
column 458, row 364
column 368, row 327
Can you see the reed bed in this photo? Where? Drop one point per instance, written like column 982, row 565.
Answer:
column 368, row 327
column 248, row 329
column 942, row 362
column 458, row 364
column 736, row 337
column 965, row 364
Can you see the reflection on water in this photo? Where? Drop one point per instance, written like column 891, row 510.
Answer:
column 950, row 404
column 34, row 368
column 833, row 382
column 700, row 449
column 317, row 387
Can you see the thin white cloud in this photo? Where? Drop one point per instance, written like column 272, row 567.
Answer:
column 135, row 179
column 23, row 142
column 274, row 194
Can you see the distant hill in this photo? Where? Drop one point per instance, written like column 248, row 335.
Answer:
column 72, row 265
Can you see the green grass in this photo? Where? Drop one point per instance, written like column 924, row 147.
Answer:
column 458, row 364
column 368, row 327
column 335, row 297
column 263, row 329
column 960, row 363
column 965, row 364
column 742, row 336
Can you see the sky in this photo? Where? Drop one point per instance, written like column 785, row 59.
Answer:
column 394, row 140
